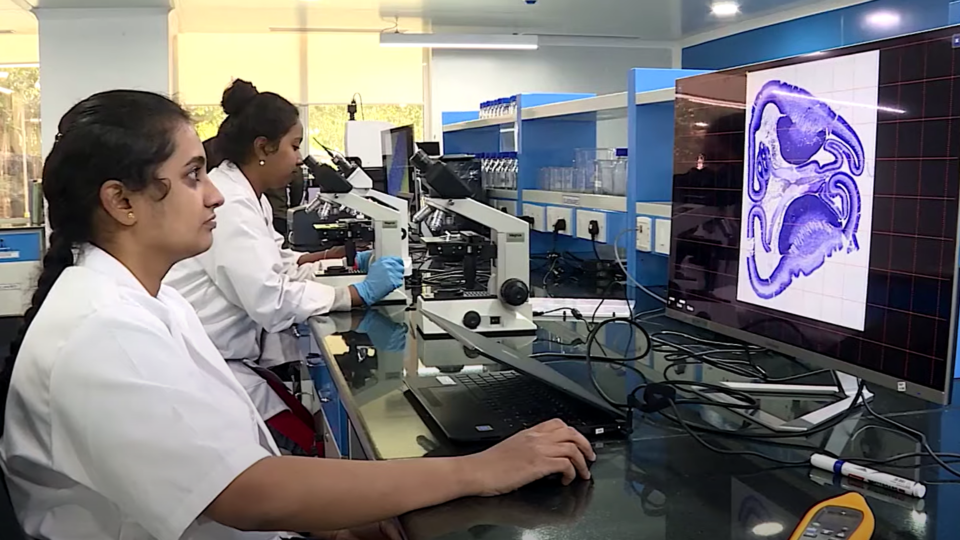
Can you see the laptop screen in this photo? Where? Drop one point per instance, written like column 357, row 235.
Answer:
column 526, row 365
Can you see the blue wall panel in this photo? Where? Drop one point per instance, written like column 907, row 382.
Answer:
column 455, row 117
column 655, row 164
column 534, row 100
column 550, row 142
column 829, row 30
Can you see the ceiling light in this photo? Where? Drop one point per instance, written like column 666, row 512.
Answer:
column 460, row 41
column 770, row 528
column 725, row 9
column 4, row 74
column 5, row 90
column 701, row 124
column 883, row 19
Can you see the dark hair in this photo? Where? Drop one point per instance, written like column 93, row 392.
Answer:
column 252, row 114
column 120, row 135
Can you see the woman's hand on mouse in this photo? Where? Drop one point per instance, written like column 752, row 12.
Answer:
column 549, row 448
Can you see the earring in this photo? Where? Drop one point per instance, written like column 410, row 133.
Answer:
column 262, row 163
column 130, row 215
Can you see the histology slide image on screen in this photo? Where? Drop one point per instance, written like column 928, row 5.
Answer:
column 810, row 152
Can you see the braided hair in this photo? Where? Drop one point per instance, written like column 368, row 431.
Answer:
column 123, row 135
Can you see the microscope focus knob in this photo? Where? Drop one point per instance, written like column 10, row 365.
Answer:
column 471, row 320
column 514, row 292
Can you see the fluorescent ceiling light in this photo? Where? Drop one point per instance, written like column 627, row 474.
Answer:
column 725, row 9
column 459, row 41
column 5, row 90
column 701, row 124
column 883, row 19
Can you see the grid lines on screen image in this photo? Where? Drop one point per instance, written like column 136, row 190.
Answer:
column 912, row 255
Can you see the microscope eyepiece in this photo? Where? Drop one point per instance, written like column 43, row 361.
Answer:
column 421, row 161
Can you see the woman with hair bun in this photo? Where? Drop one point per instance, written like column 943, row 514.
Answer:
column 247, row 283
column 121, row 418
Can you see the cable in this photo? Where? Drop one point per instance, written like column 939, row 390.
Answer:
column 918, row 435
column 355, row 96
column 574, row 312
column 690, row 431
column 592, row 337
column 603, row 298
column 593, row 242
column 546, row 286
column 616, row 253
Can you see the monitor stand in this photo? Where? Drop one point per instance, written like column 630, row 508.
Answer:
column 846, row 388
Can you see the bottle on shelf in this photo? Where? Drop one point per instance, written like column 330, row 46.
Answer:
column 513, row 105
column 484, row 173
column 620, row 173
column 502, row 170
column 512, row 170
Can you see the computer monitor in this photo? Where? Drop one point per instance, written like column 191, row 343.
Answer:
column 398, row 148
column 431, row 148
column 815, row 205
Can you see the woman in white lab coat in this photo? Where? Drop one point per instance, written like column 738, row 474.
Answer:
column 122, row 420
column 247, row 283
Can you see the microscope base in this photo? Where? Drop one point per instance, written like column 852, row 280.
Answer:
column 496, row 318
column 397, row 297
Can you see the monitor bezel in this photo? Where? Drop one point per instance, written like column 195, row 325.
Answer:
column 942, row 397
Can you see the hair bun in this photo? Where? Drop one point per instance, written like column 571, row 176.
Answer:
column 237, row 96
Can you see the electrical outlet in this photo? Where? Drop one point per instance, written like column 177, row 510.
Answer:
column 539, row 215
column 584, row 217
column 644, row 234
column 663, row 236
column 555, row 213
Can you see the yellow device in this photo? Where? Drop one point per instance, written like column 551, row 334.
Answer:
column 847, row 517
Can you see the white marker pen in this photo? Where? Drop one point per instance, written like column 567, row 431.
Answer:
column 868, row 476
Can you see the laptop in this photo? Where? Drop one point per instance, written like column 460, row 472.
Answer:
column 490, row 407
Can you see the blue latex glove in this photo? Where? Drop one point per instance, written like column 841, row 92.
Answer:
column 384, row 334
column 383, row 277
column 363, row 260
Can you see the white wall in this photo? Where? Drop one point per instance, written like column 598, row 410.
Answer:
column 461, row 79
column 84, row 51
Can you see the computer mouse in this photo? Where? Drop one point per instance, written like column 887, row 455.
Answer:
column 557, row 478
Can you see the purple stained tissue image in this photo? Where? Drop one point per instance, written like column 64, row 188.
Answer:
column 804, row 198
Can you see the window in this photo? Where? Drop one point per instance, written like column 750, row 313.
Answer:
column 20, row 154
column 207, row 119
column 327, row 121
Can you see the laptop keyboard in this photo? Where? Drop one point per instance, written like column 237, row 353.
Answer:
column 522, row 402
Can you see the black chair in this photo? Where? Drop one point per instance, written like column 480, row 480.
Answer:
column 9, row 525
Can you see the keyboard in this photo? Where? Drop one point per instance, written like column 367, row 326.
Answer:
column 523, row 402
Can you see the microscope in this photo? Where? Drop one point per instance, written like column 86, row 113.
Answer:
column 504, row 308
column 385, row 221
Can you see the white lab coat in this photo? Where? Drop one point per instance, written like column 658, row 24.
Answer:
column 123, row 421
column 246, row 283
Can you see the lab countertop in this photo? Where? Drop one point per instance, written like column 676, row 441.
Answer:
column 656, row 483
